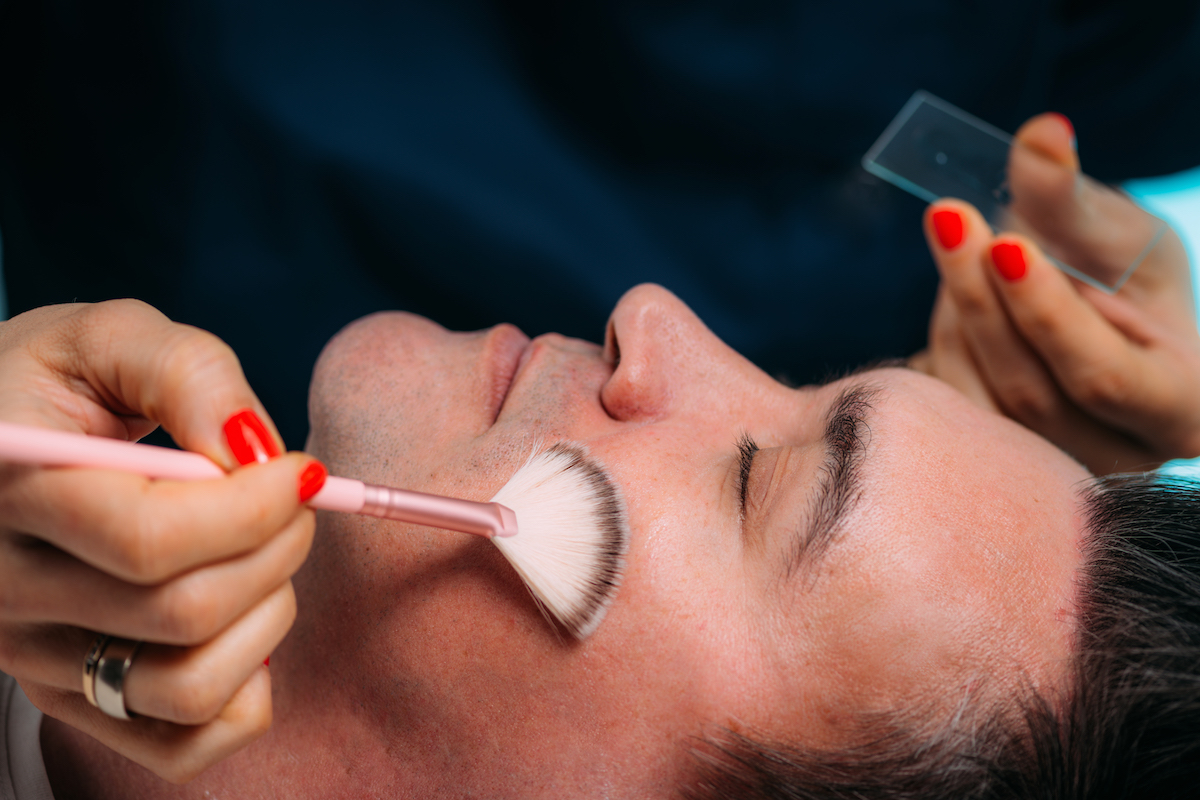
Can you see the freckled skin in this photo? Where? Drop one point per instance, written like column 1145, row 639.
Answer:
column 419, row 667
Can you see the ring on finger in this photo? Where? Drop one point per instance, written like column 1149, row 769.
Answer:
column 89, row 667
column 105, row 668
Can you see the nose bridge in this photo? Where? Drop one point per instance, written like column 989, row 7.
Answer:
column 666, row 357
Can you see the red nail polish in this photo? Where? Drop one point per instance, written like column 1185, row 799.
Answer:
column 948, row 225
column 1067, row 124
column 1009, row 260
column 267, row 661
column 249, row 439
column 311, row 480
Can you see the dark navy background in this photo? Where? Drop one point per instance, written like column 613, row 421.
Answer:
column 272, row 170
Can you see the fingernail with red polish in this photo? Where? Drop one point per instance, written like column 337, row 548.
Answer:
column 249, row 439
column 1067, row 124
column 948, row 225
column 1009, row 260
column 311, row 480
column 267, row 661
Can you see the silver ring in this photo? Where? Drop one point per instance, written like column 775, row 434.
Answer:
column 89, row 667
column 112, row 665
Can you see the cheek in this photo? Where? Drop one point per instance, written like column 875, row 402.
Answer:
column 682, row 611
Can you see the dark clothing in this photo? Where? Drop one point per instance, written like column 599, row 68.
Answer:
column 271, row 170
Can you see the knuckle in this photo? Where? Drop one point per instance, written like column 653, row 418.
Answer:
column 179, row 768
column 122, row 307
column 1103, row 388
column 99, row 316
column 187, row 613
column 251, row 711
column 1043, row 323
column 197, row 698
column 973, row 300
column 140, row 547
column 1028, row 402
column 92, row 321
column 245, row 718
column 192, row 354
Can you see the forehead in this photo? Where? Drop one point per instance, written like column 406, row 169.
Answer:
column 933, row 449
column 942, row 475
column 955, row 567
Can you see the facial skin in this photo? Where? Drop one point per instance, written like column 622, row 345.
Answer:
column 420, row 667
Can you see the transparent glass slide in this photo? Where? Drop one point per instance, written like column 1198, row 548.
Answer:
column 1091, row 231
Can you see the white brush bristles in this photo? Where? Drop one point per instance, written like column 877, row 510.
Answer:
column 571, row 535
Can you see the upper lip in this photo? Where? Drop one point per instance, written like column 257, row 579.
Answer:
column 506, row 354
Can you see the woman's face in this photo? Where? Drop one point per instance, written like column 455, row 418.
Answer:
column 896, row 548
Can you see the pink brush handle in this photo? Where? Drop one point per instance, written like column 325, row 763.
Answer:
column 49, row 448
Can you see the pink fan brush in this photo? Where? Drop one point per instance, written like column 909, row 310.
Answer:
column 559, row 520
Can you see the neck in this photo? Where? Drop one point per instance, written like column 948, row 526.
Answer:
column 414, row 744
column 80, row 768
column 277, row 765
column 420, row 668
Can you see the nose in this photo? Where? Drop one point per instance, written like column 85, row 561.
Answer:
column 666, row 360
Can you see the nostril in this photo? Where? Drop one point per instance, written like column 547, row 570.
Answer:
column 635, row 392
column 612, row 350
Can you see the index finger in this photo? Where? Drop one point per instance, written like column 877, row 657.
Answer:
column 91, row 367
column 1096, row 364
column 146, row 531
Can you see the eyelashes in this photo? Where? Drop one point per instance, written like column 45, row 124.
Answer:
column 746, row 450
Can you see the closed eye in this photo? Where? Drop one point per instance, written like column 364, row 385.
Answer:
column 746, row 450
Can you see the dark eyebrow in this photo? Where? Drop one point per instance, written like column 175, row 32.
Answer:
column 846, row 437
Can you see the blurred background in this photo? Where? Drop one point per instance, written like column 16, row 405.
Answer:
column 271, row 170
column 1176, row 198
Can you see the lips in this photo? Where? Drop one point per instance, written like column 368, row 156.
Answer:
column 506, row 347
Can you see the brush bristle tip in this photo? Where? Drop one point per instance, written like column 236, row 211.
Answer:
column 573, row 538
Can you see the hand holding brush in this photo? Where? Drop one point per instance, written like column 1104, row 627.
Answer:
column 559, row 520
column 201, row 568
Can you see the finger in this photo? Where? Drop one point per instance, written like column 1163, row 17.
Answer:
column 922, row 361
column 1098, row 231
column 1109, row 356
column 950, row 358
column 126, row 357
column 177, row 753
column 1014, row 375
column 1161, row 287
column 1044, row 178
column 188, row 686
column 48, row 654
column 1093, row 362
column 145, row 531
column 1052, row 136
column 972, row 324
column 54, row 587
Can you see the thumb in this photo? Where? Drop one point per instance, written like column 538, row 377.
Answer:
column 1044, row 177
column 135, row 362
column 1052, row 136
column 1080, row 222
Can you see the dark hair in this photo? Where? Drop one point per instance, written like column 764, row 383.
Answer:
column 1128, row 724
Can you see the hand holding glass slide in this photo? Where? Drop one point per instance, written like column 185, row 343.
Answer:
column 1110, row 376
column 1090, row 231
